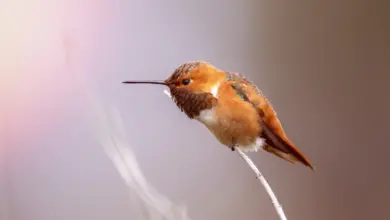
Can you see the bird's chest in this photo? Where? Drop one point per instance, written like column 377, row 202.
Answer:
column 208, row 117
column 214, row 122
column 228, row 127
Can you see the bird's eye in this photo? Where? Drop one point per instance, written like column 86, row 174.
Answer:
column 186, row 81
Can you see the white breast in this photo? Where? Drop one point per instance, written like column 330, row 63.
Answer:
column 208, row 116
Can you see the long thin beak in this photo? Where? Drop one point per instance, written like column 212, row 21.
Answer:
column 146, row 82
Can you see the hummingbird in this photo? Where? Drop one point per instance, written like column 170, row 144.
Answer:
column 231, row 106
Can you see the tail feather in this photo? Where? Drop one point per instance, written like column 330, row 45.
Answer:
column 282, row 147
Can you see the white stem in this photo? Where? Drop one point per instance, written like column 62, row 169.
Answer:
column 275, row 202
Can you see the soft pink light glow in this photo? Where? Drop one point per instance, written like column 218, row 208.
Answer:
column 35, row 81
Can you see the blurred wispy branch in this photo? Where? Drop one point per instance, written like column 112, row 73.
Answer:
column 111, row 134
column 107, row 124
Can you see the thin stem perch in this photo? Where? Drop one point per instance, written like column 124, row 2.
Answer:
column 274, row 199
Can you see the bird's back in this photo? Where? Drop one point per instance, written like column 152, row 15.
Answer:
column 270, row 127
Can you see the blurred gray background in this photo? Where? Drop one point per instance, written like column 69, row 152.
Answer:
column 324, row 66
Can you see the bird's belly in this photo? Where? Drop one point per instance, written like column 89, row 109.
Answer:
column 239, row 132
column 231, row 137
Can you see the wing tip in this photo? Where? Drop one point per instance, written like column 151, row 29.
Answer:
column 308, row 164
column 293, row 156
column 302, row 159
